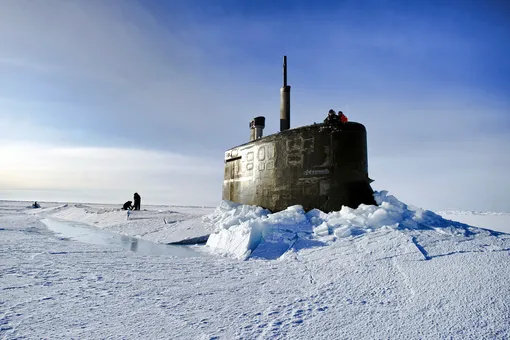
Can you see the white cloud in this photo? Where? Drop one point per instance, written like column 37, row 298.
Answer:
column 162, row 177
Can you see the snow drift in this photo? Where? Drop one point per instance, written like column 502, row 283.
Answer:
column 243, row 231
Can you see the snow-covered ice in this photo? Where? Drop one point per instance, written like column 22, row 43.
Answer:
column 491, row 220
column 241, row 229
column 376, row 272
column 158, row 224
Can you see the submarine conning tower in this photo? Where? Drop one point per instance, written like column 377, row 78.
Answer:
column 317, row 166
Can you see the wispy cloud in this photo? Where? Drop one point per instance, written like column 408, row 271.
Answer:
column 116, row 66
column 180, row 81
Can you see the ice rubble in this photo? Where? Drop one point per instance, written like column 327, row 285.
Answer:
column 243, row 231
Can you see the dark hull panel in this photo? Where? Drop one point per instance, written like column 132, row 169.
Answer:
column 313, row 166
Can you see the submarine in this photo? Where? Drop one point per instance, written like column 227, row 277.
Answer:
column 317, row 166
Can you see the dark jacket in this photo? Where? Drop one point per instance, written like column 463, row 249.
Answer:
column 332, row 119
column 127, row 205
column 137, row 201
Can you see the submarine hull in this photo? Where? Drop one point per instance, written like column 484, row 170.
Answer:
column 315, row 166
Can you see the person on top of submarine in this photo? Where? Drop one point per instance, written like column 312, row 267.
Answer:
column 342, row 117
column 332, row 118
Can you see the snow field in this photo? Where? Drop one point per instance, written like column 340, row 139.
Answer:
column 390, row 272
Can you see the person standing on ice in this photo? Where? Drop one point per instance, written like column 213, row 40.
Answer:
column 137, row 199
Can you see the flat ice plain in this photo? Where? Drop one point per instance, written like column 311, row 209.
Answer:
column 387, row 272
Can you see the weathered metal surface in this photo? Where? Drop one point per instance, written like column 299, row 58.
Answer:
column 257, row 127
column 313, row 166
column 285, row 108
column 285, row 100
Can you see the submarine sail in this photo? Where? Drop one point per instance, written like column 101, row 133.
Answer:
column 316, row 166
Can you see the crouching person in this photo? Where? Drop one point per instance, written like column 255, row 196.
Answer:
column 127, row 206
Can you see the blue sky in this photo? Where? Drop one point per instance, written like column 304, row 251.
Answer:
column 100, row 99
